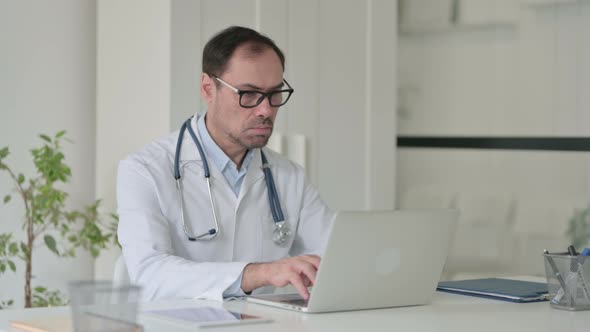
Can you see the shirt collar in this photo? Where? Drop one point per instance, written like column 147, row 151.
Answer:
column 214, row 152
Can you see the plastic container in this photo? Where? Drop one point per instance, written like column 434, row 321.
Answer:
column 101, row 306
column 568, row 281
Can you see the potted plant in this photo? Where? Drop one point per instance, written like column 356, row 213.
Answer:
column 46, row 217
column 579, row 228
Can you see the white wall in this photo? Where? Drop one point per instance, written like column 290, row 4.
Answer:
column 356, row 126
column 186, row 50
column 526, row 75
column 133, row 90
column 47, row 83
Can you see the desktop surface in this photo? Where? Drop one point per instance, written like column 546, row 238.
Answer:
column 447, row 312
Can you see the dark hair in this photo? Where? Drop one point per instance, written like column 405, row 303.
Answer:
column 221, row 47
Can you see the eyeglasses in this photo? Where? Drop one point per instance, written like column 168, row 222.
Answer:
column 253, row 98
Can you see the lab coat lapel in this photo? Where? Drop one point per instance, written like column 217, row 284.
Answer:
column 253, row 175
column 188, row 150
column 190, row 153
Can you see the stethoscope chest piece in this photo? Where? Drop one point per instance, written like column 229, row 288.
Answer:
column 281, row 234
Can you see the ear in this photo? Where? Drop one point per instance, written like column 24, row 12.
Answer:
column 208, row 88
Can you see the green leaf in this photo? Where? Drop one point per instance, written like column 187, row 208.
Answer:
column 2, row 267
column 12, row 266
column 4, row 152
column 45, row 137
column 60, row 134
column 7, row 199
column 13, row 248
column 21, row 179
column 10, row 302
column 24, row 248
column 51, row 244
column 40, row 289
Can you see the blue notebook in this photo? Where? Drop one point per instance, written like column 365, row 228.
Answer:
column 498, row 289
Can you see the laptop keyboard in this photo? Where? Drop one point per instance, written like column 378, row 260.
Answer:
column 297, row 302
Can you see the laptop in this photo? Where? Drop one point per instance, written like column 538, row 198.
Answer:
column 376, row 259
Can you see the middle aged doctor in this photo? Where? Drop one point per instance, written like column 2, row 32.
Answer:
column 208, row 211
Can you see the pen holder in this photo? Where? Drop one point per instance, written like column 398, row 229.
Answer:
column 568, row 281
column 100, row 306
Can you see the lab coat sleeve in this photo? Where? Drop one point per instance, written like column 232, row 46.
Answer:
column 235, row 289
column 144, row 235
column 315, row 220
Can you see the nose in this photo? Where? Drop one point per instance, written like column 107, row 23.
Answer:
column 264, row 109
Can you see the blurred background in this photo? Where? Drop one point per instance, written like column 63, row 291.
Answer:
column 370, row 76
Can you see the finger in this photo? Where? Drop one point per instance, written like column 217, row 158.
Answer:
column 308, row 270
column 306, row 280
column 311, row 259
column 296, row 281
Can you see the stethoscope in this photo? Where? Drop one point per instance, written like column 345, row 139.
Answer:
column 281, row 233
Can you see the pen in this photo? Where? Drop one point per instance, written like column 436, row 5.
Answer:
column 559, row 277
column 576, row 274
column 573, row 262
column 572, row 250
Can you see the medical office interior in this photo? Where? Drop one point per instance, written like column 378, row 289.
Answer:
column 118, row 74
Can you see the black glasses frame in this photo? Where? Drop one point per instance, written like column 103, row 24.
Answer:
column 263, row 95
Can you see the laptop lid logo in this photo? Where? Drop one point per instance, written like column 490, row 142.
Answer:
column 388, row 261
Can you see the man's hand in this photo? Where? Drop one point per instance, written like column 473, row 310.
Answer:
column 299, row 271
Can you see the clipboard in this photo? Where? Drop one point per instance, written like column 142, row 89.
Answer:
column 59, row 323
column 64, row 324
column 498, row 289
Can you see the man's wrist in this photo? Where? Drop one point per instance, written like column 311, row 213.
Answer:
column 253, row 277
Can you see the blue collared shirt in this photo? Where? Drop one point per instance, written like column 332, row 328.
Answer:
column 233, row 176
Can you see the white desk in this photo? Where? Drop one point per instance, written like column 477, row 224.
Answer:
column 447, row 312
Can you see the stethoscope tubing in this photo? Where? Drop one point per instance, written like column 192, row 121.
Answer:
column 273, row 197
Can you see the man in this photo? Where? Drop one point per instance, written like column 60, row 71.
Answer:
column 232, row 249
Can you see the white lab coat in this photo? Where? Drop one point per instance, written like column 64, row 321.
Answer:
column 159, row 256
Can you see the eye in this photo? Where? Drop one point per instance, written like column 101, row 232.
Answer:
column 277, row 97
column 250, row 95
column 251, row 98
